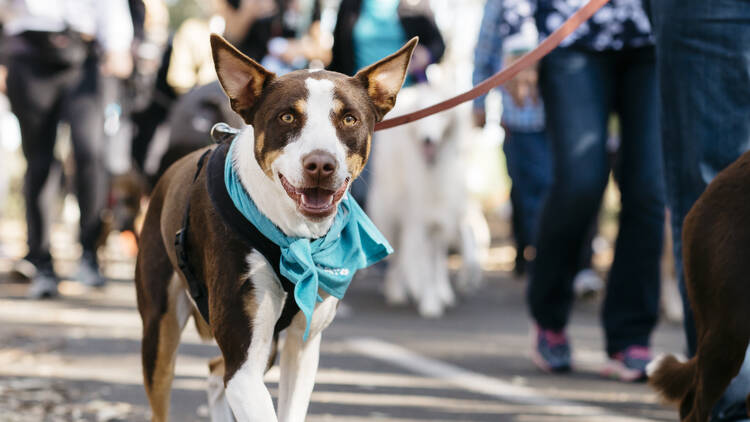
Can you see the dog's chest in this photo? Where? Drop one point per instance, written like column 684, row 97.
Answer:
column 267, row 290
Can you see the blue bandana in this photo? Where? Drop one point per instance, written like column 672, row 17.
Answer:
column 329, row 263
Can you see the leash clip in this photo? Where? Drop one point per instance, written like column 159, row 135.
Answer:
column 222, row 132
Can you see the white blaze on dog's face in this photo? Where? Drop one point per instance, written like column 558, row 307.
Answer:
column 312, row 130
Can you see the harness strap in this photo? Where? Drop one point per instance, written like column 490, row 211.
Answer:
column 197, row 287
column 238, row 225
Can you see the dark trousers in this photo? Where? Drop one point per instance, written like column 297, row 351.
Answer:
column 42, row 94
column 703, row 48
column 529, row 164
column 580, row 90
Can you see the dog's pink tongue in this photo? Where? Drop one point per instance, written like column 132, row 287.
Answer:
column 317, row 198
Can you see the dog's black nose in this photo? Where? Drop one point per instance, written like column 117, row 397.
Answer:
column 319, row 164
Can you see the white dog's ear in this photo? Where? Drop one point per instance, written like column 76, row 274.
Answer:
column 242, row 78
column 384, row 78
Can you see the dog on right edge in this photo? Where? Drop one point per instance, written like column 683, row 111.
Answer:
column 716, row 256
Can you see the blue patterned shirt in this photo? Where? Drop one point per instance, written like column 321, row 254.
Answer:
column 619, row 24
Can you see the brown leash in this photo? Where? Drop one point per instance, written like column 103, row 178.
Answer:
column 503, row 76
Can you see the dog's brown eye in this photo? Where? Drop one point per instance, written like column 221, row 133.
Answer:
column 349, row 120
column 287, row 117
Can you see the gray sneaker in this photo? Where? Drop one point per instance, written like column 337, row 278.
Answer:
column 23, row 270
column 88, row 273
column 43, row 286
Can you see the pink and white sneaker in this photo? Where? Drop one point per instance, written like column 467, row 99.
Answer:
column 628, row 365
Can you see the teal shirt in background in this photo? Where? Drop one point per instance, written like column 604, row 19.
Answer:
column 378, row 32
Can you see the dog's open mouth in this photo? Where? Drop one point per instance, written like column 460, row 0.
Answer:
column 314, row 202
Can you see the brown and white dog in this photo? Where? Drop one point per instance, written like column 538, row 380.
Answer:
column 716, row 247
column 308, row 137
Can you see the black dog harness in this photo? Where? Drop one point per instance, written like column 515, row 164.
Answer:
column 237, row 224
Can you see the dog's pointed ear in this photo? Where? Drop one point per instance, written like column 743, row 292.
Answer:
column 242, row 78
column 384, row 79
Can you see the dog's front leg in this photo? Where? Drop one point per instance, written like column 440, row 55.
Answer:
column 470, row 274
column 439, row 261
column 245, row 390
column 245, row 363
column 299, row 361
column 299, row 364
column 246, row 393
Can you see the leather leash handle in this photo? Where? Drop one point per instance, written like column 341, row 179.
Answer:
column 503, row 76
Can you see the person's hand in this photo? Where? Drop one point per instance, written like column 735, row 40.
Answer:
column 294, row 50
column 3, row 79
column 524, row 87
column 480, row 117
column 118, row 64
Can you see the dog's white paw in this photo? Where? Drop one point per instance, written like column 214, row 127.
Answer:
column 469, row 279
column 396, row 299
column 445, row 291
column 431, row 309
column 395, row 293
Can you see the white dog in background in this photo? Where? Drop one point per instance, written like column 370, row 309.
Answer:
column 419, row 199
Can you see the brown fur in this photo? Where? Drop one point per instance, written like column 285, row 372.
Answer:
column 229, row 289
column 383, row 95
column 673, row 378
column 716, row 247
column 244, row 95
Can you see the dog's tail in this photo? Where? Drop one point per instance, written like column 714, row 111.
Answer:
column 670, row 377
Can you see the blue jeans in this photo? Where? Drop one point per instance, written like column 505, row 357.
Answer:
column 580, row 89
column 529, row 163
column 703, row 49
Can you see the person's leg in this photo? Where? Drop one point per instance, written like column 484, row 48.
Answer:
column 84, row 111
column 703, row 51
column 534, row 176
column 510, row 150
column 34, row 93
column 529, row 167
column 576, row 87
column 631, row 307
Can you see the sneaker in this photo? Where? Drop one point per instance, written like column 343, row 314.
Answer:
column 23, row 270
column 551, row 350
column 88, row 272
column 628, row 365
column 43, row 286
column 587, row 284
